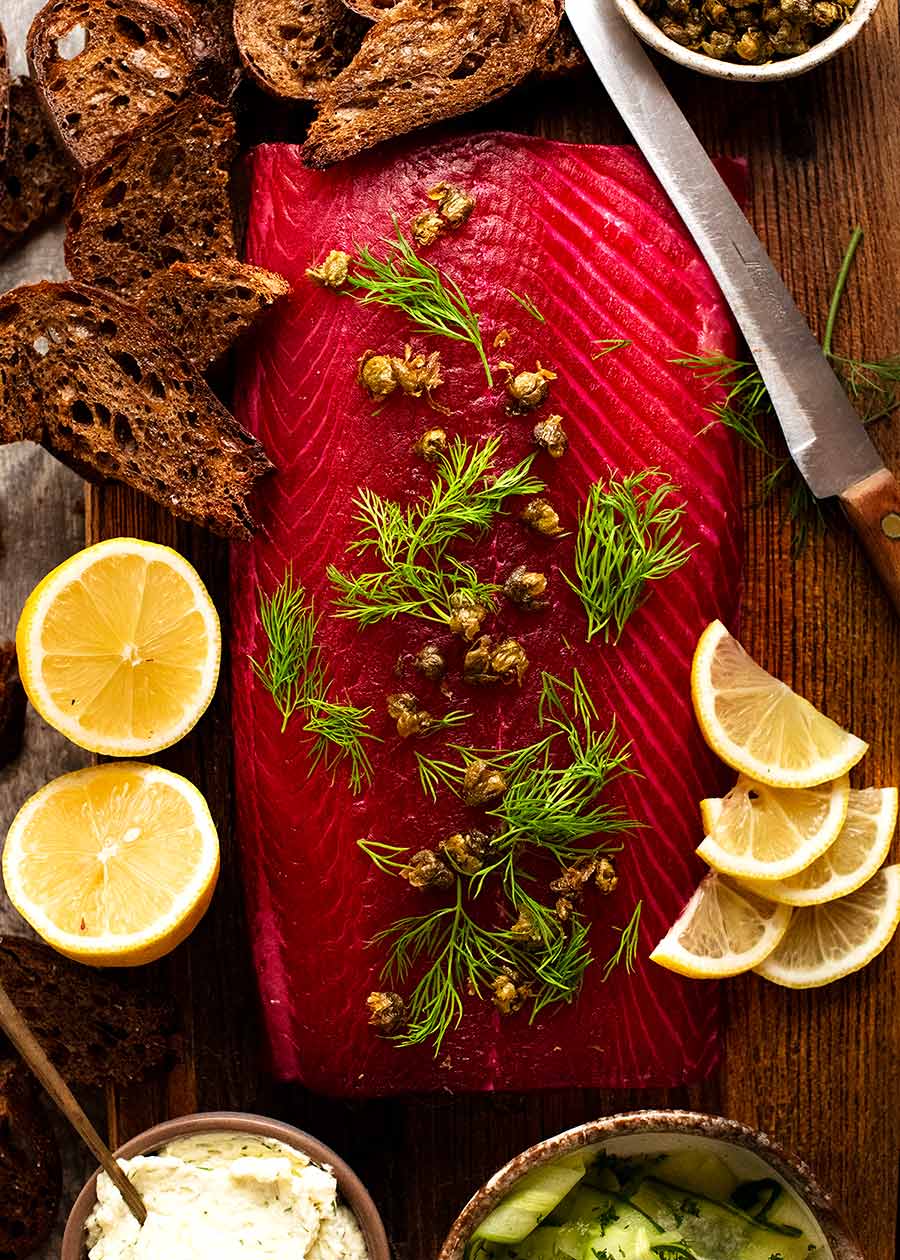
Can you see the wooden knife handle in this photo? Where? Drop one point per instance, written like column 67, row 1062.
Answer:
column 873, row 509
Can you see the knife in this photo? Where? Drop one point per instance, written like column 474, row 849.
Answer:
column 826, row 438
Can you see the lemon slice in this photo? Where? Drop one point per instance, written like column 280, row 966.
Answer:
column 766, row 833
column 113, row 865
column 757, row 725
column 723, row 930
column 827, row 942
column 119, row 647
column 862, row 845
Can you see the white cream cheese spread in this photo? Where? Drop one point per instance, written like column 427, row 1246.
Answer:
column 227, row 1195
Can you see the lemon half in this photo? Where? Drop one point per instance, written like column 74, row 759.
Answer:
column 758, row 726
column 119, row 647
column 113, row 865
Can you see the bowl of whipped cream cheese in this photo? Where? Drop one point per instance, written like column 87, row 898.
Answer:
column 227, row 1185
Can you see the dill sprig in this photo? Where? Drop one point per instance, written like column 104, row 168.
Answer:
column 608, row 345
column 873, row 386
column 429, row 298
column 629, row 939
column 417, row 577
column 295, row 676
column 525, row 301
column 553, row 813
column 628, row 535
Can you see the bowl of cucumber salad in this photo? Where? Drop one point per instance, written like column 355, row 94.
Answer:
column 652, row 1185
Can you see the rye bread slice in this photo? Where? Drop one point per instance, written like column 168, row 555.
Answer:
column 425, row 61
column 161, row 196
column 98, row 384
column 38, row 179
column 95, row 1026
column 30, row 1172
column 12, row 705
column 294, row 48
column 205, row 307
column 104, row 66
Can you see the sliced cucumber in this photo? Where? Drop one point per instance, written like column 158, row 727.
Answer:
column 718, row 1231
column 532, row 1200
column 701, row 1173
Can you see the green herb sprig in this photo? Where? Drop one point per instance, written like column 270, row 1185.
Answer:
column 550, row 811
column 417, row 577
column 608, row 345
column 873, row 386
column 525, row 301
column 629, row 940
column 295, row 675
column 629, row 534
column 429, row 298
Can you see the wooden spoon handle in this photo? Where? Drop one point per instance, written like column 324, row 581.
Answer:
column 873, row 509
column 27, row 1045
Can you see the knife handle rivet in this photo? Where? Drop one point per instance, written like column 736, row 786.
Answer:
column 890, row 525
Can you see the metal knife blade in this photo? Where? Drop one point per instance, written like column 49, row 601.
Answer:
column 825, row 436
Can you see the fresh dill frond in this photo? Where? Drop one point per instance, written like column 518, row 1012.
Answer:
column 608, row 345
column 417, row 577
column 385, row 856
column 629, row 939
column 629, row 535
column 454, row 718
column 295, row 676
column 429, row 298
column 528, row 304
column 873, row 386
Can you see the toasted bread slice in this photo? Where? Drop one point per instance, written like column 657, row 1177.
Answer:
column 295, row 50
column 204, row 307
column 30, row 1172
column 427, row 60
column 38, row 178
column 102, row 388
column 95, row 1026
column 12, row 705
column 104, row 66
column 160, row 197
column 563, row 57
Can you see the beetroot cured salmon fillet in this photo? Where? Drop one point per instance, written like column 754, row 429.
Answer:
column 586, row 233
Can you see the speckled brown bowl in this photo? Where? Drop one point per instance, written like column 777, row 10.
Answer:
column 352, row 1191
column 644, row 1129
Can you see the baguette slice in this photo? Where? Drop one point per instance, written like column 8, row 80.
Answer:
column 425, row 61
column 104, row 66
column 160, row 197
column 4, row 92
column 295, row 50
column 204, row 307
column 30, row 1172
column 95, row 1027
column 38, row 178
column 102, row 388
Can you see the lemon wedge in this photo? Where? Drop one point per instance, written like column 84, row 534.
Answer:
column 723, row 930
column 824, row 943
column 113, row 865
column 119, row 647
column 757, row 725
column 862, row 845
column 765, row 833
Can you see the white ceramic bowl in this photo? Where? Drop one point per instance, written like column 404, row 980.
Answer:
column 784, row 68
column 749, row 1155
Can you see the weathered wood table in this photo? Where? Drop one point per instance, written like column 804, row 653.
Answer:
column 820, row 1071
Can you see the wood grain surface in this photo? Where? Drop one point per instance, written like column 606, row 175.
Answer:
column 819, row 1071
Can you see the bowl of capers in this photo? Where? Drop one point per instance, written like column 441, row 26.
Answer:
column 750, row 40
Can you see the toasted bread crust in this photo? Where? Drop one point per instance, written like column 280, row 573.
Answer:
column 161, row 196
column 4, row 92
column 426, row 61
column 139, row 57
column 38, row 177
column 30, row 1173
column 95, row 381
column 294, row 50
column 205, row 307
